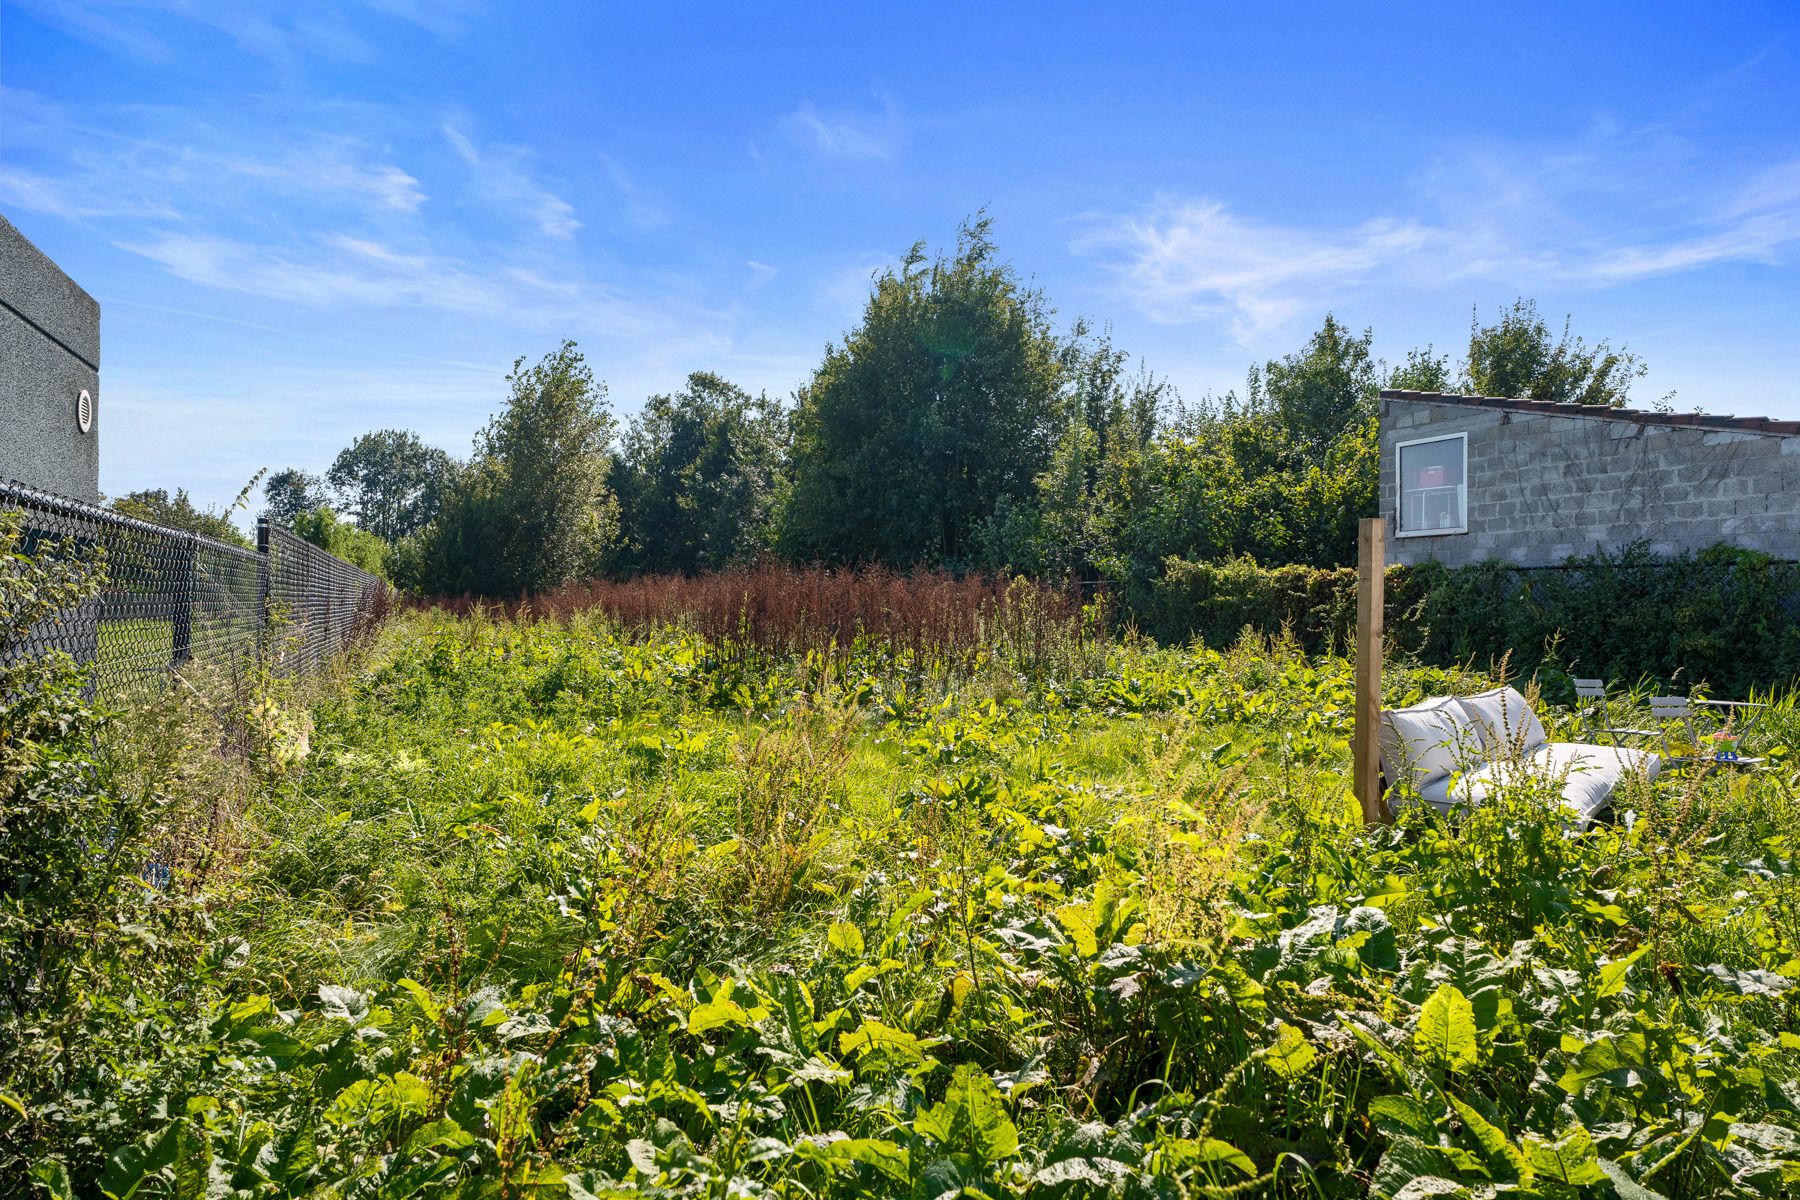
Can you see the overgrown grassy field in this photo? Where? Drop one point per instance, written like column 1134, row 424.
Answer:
column 541, row 908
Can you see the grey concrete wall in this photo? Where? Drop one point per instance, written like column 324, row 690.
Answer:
column 49, row 352
column 1545, row 486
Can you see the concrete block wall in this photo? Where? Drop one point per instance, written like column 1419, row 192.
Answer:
column 1543, row 486
column 49, row 352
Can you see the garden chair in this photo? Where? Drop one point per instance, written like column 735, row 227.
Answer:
column 1593, row 691
column 1681, row 712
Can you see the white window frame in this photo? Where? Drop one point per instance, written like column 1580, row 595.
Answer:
column 1400, row 488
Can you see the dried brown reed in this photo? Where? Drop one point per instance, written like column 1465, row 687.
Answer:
column 789, row 612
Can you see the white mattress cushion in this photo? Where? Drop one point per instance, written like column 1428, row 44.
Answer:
column 1426, row 742
column 1504, row 720
column 1588, row 775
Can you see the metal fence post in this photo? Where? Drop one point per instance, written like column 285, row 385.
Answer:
column 181, row 640
column 264, row 623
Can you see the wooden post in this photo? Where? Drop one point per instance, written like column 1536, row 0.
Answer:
column 1371, row 564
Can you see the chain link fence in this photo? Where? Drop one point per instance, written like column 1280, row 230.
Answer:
column 175, row 601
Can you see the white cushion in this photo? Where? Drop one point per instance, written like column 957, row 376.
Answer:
column 1588, row 775
column 1505, row 722
column 1426, row 741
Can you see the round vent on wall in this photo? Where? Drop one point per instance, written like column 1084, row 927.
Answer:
column 84, row 411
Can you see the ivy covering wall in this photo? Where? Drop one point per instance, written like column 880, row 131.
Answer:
column 1724, row 618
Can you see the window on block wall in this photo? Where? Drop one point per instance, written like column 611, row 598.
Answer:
column 1433, row 486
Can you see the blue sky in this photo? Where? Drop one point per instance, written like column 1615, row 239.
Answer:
column 304, row 221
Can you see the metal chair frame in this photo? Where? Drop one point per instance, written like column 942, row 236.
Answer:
column 1679, row 710
column 1664, row 711
column 1594, row 691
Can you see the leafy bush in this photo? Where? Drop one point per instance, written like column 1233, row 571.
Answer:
column 1725, row 618
column 100, row 951
column 326, row 530
column 1216, row 602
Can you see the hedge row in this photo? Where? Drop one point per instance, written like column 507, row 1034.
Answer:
column 1726, row 618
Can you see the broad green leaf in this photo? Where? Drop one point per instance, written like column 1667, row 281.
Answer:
column 716, row 1014
column 1569, row 1160
column 364, row 1102
column 868, row 971
column 1078, row 922
column 344, row 1003
column 411, row 1095
column 1291, row 1055
column 1606, row 1056
column 1375, row 1046
column 972, row 1116
column 642, row 1154
column 1623, row 1185
column 132, row 1165
column 1213, row 1150
column 1402, row 1114
column 1390, row 891
column 1409, row 1159
column 296, row 1153
column 1749, row 982
column 845, row 937
column 55, row 1178
column 1083, row 1176
column 428, row 1006
column 1612, row 974
column 193, row 1159
column 1190, row 1153
column 1503, row 1158
column 873, row 1036
column 1431, row 1187
column 884, row 1157
column 441, row 1134
column 1445, row 1034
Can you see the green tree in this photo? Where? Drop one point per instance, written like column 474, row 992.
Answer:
column 391, row 482
column 331, row 533
column 946, row 398
column 287, row 494
column 1422, row 371
column 178, row 511
column 1320, row 392
column 533, row 509
column 698, row 476
column 1518, row 357
column 1070, row 525
column 1281, row 475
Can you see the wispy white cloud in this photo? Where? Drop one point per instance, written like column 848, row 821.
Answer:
column 279, row 32
column 79, row 167
column 445, row 18
column 173, row 182
column 332, row 171
column 340, row 225
column 846, row 134
column 637, row 206
column 500, row 175
column 1188, row 260
column 1560, row 221
column 345, row 271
